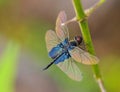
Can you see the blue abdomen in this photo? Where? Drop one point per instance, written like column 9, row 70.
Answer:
column 62, row 57
column 55, row 52
column 61, row 52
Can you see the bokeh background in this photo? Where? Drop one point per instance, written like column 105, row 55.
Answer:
column 23, row 54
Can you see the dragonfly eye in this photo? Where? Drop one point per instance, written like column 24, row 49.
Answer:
column 78, row 39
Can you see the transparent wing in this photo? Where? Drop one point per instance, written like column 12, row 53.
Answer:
column 61, row 31
column 70, row 68
column 81, row 56
column 51, row 40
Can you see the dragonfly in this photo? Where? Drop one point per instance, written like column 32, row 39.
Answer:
column 65, row 52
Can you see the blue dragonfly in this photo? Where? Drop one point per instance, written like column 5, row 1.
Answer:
column 65, row 52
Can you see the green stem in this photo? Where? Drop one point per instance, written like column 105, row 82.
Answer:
column 87, row 38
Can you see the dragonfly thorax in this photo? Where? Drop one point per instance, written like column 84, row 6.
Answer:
column 77, row 41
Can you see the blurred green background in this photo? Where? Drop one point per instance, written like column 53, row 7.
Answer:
column 23, row 54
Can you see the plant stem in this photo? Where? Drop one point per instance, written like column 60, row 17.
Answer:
column 80, row 15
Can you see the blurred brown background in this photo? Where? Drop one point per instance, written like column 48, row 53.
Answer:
column 19, row 20
column 104, row 22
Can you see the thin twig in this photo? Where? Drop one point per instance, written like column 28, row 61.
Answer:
column 100, row 83
column 89, row 11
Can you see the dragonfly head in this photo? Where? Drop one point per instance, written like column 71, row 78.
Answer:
column 78, row 39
